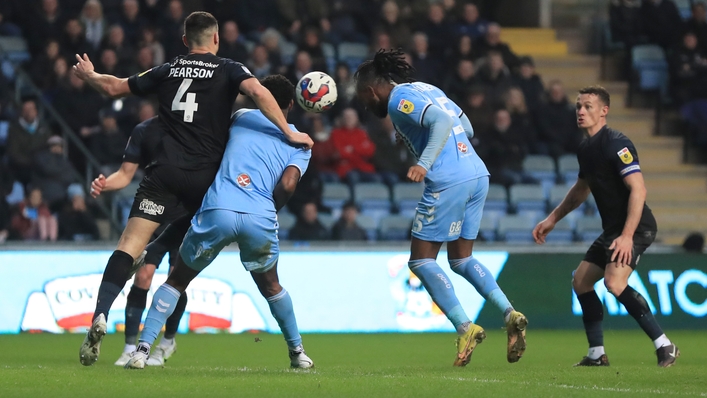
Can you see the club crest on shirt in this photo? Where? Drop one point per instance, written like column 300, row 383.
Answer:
column 406, row 106
column 462, row 147
column 243, row 180
column 625, row 155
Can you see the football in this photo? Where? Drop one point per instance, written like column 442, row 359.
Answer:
column 316, row 92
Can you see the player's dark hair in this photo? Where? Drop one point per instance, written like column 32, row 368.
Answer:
column 599, row 91
column 196, row 25
column 386, row 65
column 281, row 88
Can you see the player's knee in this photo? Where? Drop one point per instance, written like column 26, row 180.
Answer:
column 581, row 286
column 615, row 286
column 143, row 277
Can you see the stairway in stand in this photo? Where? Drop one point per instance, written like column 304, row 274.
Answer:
column 677, row 192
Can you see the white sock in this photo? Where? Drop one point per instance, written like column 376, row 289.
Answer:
column 595, row 352
column 463, row 328
column 166, row 341
column 129, row 348
column 661, row 341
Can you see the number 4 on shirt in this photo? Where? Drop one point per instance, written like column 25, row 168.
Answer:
column 190, row 105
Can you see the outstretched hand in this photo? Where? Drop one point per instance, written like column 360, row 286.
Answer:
column 83, row 67
column 302, row 139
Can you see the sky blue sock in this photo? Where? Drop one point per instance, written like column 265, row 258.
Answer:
column 482, row 280
column 163, row 303
column 440, row 289
column 281, row 309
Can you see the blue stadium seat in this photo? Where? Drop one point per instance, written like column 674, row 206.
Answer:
column 327, row 220
column 353, row 54
column 286, row 222
column 528, row 198
column 542, row 168
column 373, row 199
column 497, row 199
column 568, row 168
column 334, row 195
column 650, row 70
column 516, row 229
column 562, row 233
column 488, row 227
column 557, row 194
column 588, row 228
column 406, row 196
column 684, row 8
column 15, row 48
column 395, row 227
column 123, row 201
column 370, row 225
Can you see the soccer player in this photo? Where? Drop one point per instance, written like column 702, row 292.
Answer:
column 141, row 150
column 609, row 169
column 196, row 94
column 437, row 132
column 258, row 174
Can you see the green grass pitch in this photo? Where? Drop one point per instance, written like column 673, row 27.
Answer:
column 355, row 365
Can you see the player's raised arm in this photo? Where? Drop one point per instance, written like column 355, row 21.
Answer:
column 575, row 197
column 107, row 85
column 266, row 103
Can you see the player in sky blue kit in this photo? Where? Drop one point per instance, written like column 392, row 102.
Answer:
column 437, row 132
column 258, row 174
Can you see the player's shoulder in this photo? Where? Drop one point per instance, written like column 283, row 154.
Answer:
column 614, row 137
column 406, row 99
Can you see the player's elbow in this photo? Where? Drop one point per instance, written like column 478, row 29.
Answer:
column 256, row 92
column 289, row 185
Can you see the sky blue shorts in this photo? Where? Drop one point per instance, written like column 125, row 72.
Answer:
column 212, row 230
column 452, row 213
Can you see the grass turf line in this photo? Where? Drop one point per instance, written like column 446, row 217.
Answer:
column 354, row 365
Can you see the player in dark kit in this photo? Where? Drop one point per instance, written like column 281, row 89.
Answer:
column 141, row 150
column 609, row 169
column 196, row 94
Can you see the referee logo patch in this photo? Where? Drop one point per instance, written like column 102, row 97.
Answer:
column 625, row 155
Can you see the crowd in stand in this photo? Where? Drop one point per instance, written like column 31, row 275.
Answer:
column 450, row 43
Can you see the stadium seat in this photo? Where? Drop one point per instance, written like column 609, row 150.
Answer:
column 123, row 201
column 286, row 221
column 557, row 194
column 15, row 49
column 684, row 8
column 496, row 200
column 353, row 54
column 330, row 56
column 608, row 46
column 406, row 196
column 541, row 167
column 373, row 199
column 334, row 195
column 370, row 225
column 568, row 168
column 562, row 233
column 487, row 228
column 287, row 52
column 588, row 228
column 650, row 71
column 516, row 229
column 528, row 199
column 395, row 227
column 327, row 220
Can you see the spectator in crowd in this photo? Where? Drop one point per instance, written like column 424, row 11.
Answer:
column 6, row 185
column 471, row 25
column 271, row 40
column 95, row 25
column 75, row 221
column 26, row 136
column 52, row 173
column 557, row 123
column 478, row 110
column 146, row 110
column 33, row 220
column 662, row 23
column 495, row 77
column 108, row 63
column 346, row 90
column 698, row 24
column 355, row 150
column 257, row 17
column 108, row 144
column 308, row 227
column 131, row 21
column 149, row 40
column 325, row 156
column 462, row 50
column 79, row 105
column 439, row 31
column 40, row 68
column 381, row 40
column 312, row 45
column 392, row 159
column 503, row 150
column 302, row 66
column 57, row 79
column 427, row 66
column 47, row 25
column 259, row 63
column 298, row 14
column 625, row 21
column 457, row 84
column 172, row 27
column 521, row 118
column 231, row 43
column 144, row 60
column 350, row 22
column 689, row 70
column 491, row 42
column 74, row 40
column 391, row 24
column 347, row 228
column 530, row 83
column 123, row 50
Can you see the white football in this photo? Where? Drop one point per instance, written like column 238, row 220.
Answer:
column 316, row 92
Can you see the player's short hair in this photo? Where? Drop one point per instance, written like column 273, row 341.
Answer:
column 198, row 25
column 599, row 91
column 281, row 88
column 385, row 66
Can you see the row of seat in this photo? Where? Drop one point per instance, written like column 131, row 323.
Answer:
column 391, row 227
column 350, row 53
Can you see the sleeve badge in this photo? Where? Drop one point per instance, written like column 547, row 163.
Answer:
column 625, row 156
column 406, row 106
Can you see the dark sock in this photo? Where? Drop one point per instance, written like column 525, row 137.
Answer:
column 137, row 301
column 638, row 308
column 592, row 316
column 173, row 321
column 117, row 272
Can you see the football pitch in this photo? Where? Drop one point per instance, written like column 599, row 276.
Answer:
column 355, row 365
